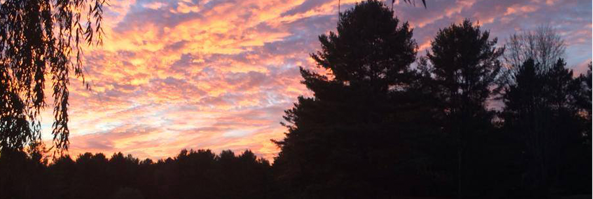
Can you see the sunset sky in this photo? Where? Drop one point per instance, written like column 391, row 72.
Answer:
column 218, row 74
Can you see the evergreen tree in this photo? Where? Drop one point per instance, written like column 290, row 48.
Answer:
column 578, row 172
column 583, row 100
column 542, row 111
column 463, row 68
column 563, row 142
column 22, row 175
column 349, row 140
column 525, row 113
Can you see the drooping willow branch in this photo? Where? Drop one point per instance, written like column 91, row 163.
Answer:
column 42, row 39
column 412, row 2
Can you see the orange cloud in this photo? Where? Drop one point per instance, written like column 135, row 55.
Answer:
column 218, row 74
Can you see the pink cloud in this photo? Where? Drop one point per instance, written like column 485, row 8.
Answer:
column 216, row 74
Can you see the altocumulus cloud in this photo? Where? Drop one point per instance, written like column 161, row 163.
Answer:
column 218, row 73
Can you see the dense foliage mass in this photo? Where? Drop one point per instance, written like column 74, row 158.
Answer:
column 192, row 174
column 456, row 124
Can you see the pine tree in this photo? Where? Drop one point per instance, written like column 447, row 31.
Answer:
column 578, row 173
column 542, row 110
column 463, row 68
column 347, row 140
column 583, row 99
column 525, row 113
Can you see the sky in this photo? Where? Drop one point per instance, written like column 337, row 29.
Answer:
column 218, row 74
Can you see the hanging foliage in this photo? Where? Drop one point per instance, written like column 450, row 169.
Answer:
column 41, row 39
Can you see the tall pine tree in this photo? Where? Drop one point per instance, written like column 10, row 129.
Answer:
column 544, row 111
column 463, row 67
column 579, row 171
column 348, row 140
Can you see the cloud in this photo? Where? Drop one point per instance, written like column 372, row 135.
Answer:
column 305, row 6
column 218, row 74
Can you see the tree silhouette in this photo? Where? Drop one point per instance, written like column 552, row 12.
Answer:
column 544, row 45
column 22, row 175
column 583, row 100
column 375, row 127
column 412, row 2
column 369, row 49
column 463, row 67
column 192, row 174
column 542, row 110
column 392, row 2
column 349, row 140
column 39, row 37
column 525, row 106
column 576, row 171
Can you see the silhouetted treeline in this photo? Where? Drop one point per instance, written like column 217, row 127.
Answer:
column 192, row 174
column 377, row 126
